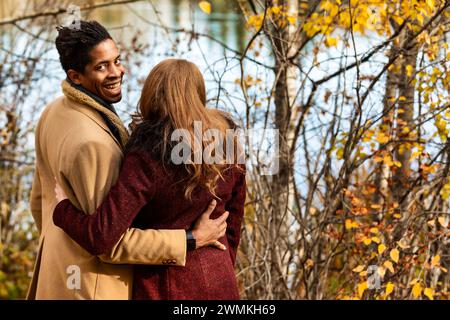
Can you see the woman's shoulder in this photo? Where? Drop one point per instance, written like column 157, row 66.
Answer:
column 235, row 171
column 145, row 166
column 141, row 158
column 240, row 169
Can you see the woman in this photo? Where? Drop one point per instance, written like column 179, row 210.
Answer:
column 153, row 192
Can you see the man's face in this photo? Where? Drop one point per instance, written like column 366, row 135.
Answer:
column 103, row 75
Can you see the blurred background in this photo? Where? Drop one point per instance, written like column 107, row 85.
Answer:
column 358, row 91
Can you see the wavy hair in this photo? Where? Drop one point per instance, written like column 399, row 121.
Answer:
column 173, row 97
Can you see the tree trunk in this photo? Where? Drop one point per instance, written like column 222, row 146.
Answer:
column 405, row 117
column 284, row 47
column 382, row 176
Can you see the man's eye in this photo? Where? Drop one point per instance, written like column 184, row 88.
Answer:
column 118, row 61
column 101, row 68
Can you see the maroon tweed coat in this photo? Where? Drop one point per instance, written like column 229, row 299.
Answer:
column 146, row 196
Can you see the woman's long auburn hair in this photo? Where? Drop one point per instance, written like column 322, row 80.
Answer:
column 173, row 97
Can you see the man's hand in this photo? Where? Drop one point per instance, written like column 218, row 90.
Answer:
column 208, row 231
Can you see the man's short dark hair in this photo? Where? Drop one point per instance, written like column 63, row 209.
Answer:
column 75, row 44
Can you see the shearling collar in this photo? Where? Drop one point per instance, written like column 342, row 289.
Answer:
column 76, row 95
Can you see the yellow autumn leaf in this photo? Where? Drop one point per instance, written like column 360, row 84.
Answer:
column 389, row 266
column 409, row 70
column 255, row 21
column 275, row 10
column 367, row 241
column 398, row 164
column 389, row 288
column 374, row 230
column 381, row 248
column 388, row 161
column 292, row 20
column 358, row 269
column 361, row 288
column 340, row 153
column 205, row 6
column 420, row 18
column 382, row 138
column 429, row 293
column 398, row 19
column 435, row 261
column 377, row 159
column 376, row 239
column 394, row 254
column 417, row 290
column 430, row 4
column 415, row 154
column 330, row 42
column 349, row 224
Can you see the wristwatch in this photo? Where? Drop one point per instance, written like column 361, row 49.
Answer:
column 190, row 241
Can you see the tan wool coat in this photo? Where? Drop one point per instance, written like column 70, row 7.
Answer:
column 74, row 144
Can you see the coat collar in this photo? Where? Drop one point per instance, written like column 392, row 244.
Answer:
column 82, row 98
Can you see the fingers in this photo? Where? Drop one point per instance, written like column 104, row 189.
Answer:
column 222, row 218
column 223, row 229
column 210, row 209
column 219, row 245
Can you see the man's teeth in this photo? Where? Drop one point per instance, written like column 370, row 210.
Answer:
column 113, row 86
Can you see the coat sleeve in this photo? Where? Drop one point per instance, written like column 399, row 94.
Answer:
column 235, row 206
column 107, row 231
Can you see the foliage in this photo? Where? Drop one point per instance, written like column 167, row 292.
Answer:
column 366, row 132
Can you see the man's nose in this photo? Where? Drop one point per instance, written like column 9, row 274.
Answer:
column 117, row 71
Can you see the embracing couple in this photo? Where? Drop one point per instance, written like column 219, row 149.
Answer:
column 117, row 218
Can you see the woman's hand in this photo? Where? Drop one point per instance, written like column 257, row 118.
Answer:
column 59, row 192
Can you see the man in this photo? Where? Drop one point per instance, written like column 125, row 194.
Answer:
column 79, row 140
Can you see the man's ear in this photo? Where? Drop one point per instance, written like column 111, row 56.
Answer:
column 74, row 76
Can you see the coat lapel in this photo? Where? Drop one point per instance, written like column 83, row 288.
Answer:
column 92, row 109
column 94, row 116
